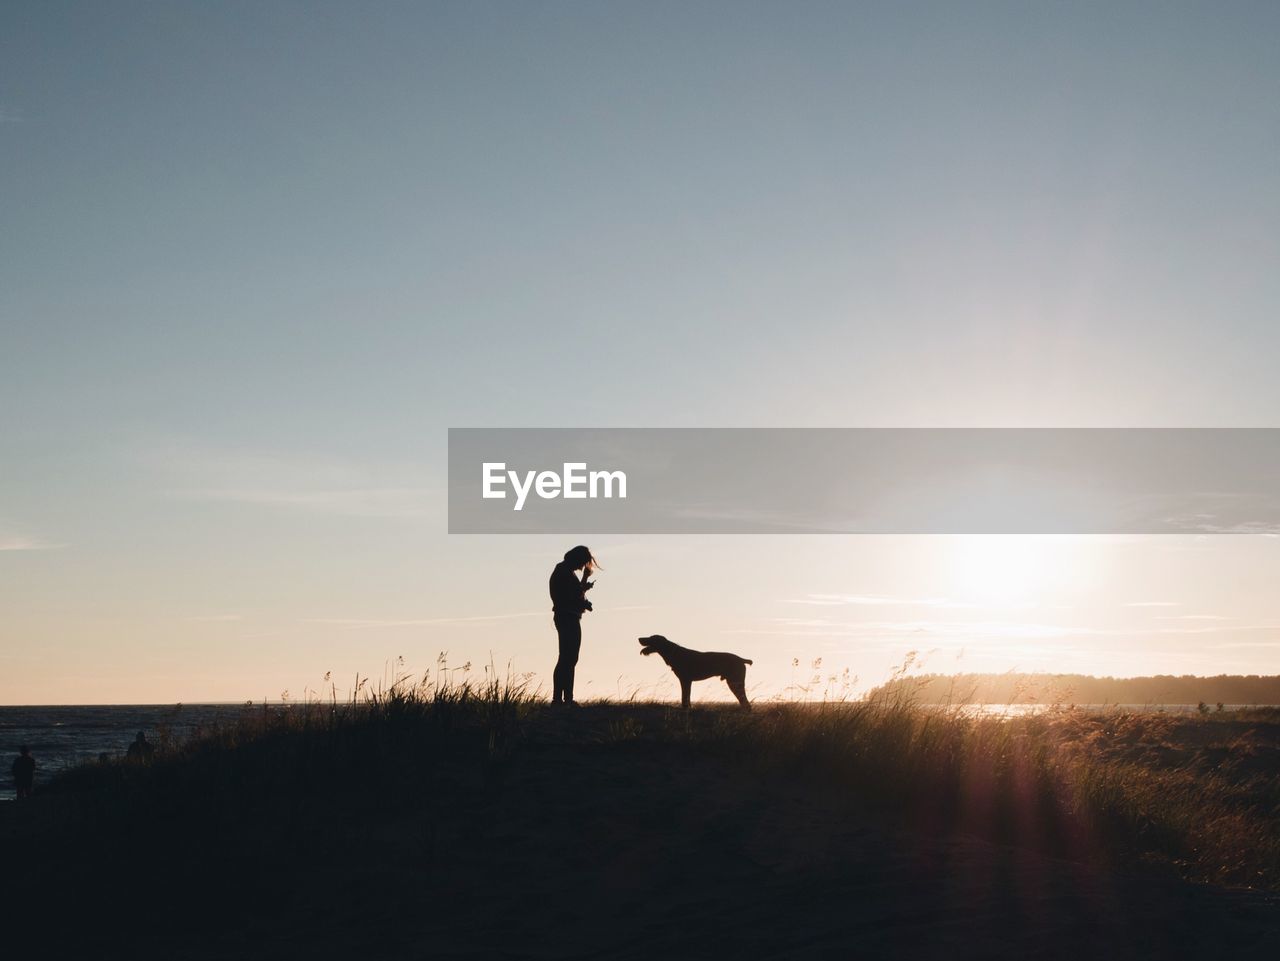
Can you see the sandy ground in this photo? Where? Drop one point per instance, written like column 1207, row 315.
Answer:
column 580, row 846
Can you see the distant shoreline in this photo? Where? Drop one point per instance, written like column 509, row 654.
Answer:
column 1146, row 692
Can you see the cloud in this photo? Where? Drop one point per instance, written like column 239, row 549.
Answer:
column 872, row 600
column 919, row 630
column 301, row 483
column 1232, row 513
column 822, row 628
column 416, row 622
column 20, row 542
column 1263, row 528
column 401, row 502
column 734, row 518
column 436, row 621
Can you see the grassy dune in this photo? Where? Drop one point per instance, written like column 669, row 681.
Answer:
column 482, row 821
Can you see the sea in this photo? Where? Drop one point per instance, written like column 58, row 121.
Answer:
column 61, row 737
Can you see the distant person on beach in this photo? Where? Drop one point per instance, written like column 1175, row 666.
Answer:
column 24, row 772
column 568, row 602
column 141, row 749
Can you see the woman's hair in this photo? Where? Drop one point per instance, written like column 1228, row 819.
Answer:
column 581, row 556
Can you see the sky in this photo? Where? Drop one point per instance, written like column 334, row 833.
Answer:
column 257, row 258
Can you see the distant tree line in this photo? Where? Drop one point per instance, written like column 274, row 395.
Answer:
column 1065, row 689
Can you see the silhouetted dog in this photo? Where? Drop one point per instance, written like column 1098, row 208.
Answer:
column 690, row 666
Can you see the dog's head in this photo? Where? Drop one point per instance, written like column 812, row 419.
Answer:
column 654, row 644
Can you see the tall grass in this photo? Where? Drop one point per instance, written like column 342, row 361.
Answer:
column 379, row 742
column 1199, row 793
column 1101, row 786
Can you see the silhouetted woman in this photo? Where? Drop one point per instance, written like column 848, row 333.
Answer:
column 568, row 602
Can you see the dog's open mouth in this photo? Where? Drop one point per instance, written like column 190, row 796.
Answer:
column 646, row 647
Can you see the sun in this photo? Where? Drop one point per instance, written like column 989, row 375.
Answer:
column 1006, row 569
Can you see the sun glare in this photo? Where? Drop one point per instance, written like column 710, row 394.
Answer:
column 1007, row 570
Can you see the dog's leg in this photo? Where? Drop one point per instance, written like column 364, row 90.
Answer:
column 686, row 686
column 737, row 684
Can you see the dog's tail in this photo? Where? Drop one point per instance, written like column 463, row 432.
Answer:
column 746, row 660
